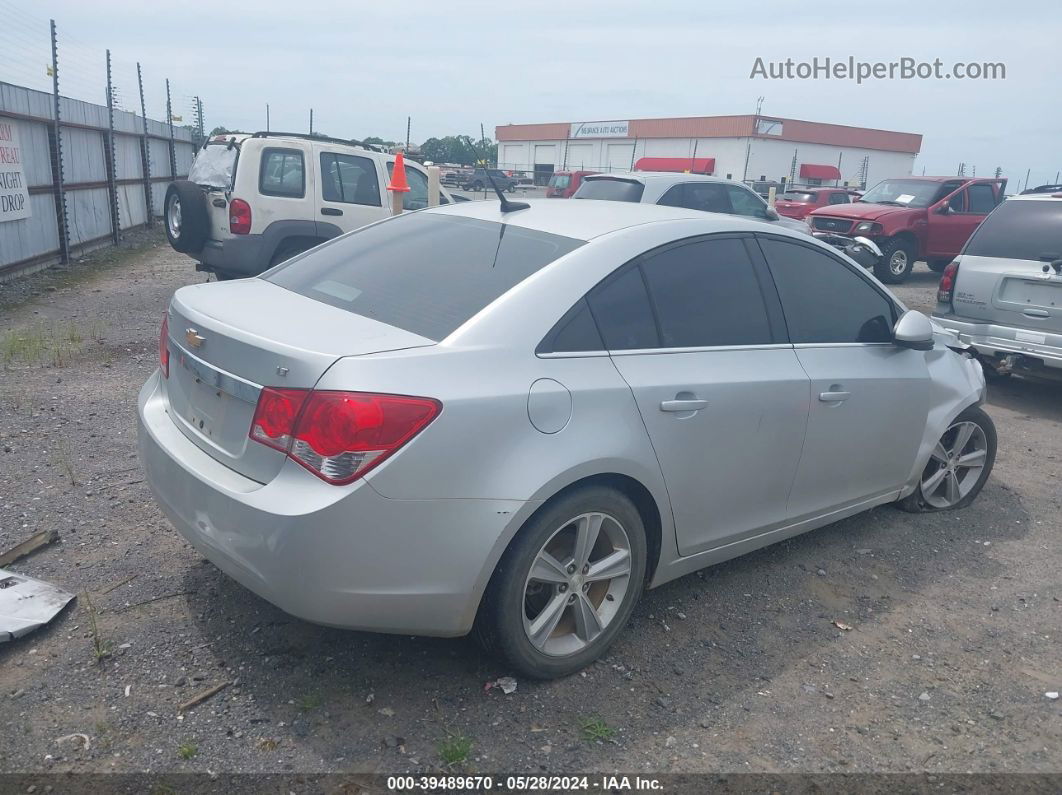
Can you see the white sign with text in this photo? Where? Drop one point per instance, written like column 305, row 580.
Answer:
column 599, row 129
column 14, row 195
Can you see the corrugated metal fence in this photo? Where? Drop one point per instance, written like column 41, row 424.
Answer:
column 141, row 168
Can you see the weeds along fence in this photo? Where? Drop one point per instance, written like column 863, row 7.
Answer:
column 76, row 174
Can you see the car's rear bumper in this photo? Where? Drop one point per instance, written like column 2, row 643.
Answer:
column 999, row 341
column 245, row 255
column 338, row 555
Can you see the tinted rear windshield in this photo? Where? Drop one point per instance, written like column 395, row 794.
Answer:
column 423, row 272
column 796, row 196
column 1020, row 230
column 616, row 190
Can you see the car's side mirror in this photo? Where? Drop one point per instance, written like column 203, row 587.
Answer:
column 943, row 209
column 913, row 330
column 772, row 214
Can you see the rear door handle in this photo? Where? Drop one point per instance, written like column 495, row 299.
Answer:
column 683, row 405
column 1036, row 313
column 834, row 397
column 331, row 211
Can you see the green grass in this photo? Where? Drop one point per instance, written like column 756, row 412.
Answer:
column 455, row 749
column 42, row 343
column 101, row 647
column 310, row 702
column 595, row 729
column 187, row 750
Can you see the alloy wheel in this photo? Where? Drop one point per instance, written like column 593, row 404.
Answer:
column 173, row 216
column 898, row 262
column 955, row 465
column 577, row 584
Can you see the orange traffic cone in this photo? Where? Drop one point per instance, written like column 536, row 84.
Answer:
column 398, row 176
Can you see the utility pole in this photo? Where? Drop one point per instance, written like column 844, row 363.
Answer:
column 748, row 143
column 169, row 121
column 1027, row 172
column 267, row 117
column 311, row 121
column 409, row 123
column 112, row 186
column 57, row 164
column 145, row 150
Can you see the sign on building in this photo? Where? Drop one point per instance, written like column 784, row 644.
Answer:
column 599, row 129
column 14, row 196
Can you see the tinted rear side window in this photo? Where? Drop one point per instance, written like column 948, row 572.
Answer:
column 705, row 294
column 824, row 300
column 422, row 272
column 621, row 308
column 616, row 190
column 282, row 173
column 1020, row 230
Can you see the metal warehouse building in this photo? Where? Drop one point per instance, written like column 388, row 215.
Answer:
column 737, row 147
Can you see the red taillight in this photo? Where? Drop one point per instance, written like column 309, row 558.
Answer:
column 239, row 217
column 164, row 346
column 339, row 436
column 947, row 282
column 275, row 415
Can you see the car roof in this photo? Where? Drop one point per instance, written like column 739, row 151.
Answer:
column 660, row 177
column 1036, row 197
column 590, row 218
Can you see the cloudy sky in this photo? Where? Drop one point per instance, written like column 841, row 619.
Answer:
column 455, row 64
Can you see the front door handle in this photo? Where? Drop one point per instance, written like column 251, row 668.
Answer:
column 683, row 405
column 331, row 211
column 834, row 397
column 1038, row 313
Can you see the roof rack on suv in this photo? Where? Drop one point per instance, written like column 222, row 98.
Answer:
column 317, row 137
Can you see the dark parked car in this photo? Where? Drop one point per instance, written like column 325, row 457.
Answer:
column 478, row 180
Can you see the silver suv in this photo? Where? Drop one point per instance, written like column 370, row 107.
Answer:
column 1003, row 294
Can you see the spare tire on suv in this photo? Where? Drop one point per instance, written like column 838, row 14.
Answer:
column 185, row 214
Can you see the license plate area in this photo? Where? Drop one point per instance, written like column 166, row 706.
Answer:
column 213, row 407
column 1035, row 293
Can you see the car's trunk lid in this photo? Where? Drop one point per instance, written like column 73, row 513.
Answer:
column 1009, row 292
column 228, row 340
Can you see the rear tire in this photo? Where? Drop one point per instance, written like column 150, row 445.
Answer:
column 897, row 260
column 959, row 466
column 185, row 217
column 514, row 617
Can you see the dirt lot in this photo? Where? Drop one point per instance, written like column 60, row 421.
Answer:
column 956, row 619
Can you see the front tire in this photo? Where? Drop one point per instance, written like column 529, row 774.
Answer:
column 566, row 586
column 939, row 264
column 897, row 260
column 958, row 467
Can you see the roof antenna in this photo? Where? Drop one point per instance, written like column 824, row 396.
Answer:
column 506, row 205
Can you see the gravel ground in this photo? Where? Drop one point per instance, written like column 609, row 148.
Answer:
column 956, row 619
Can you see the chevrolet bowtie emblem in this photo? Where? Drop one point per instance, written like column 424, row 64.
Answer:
column 193, row 338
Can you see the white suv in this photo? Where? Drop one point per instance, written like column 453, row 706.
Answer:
column 253, row 201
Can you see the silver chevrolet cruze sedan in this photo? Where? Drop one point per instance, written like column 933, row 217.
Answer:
column 513, row 423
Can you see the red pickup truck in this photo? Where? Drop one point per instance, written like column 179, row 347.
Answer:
column 908, row 219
